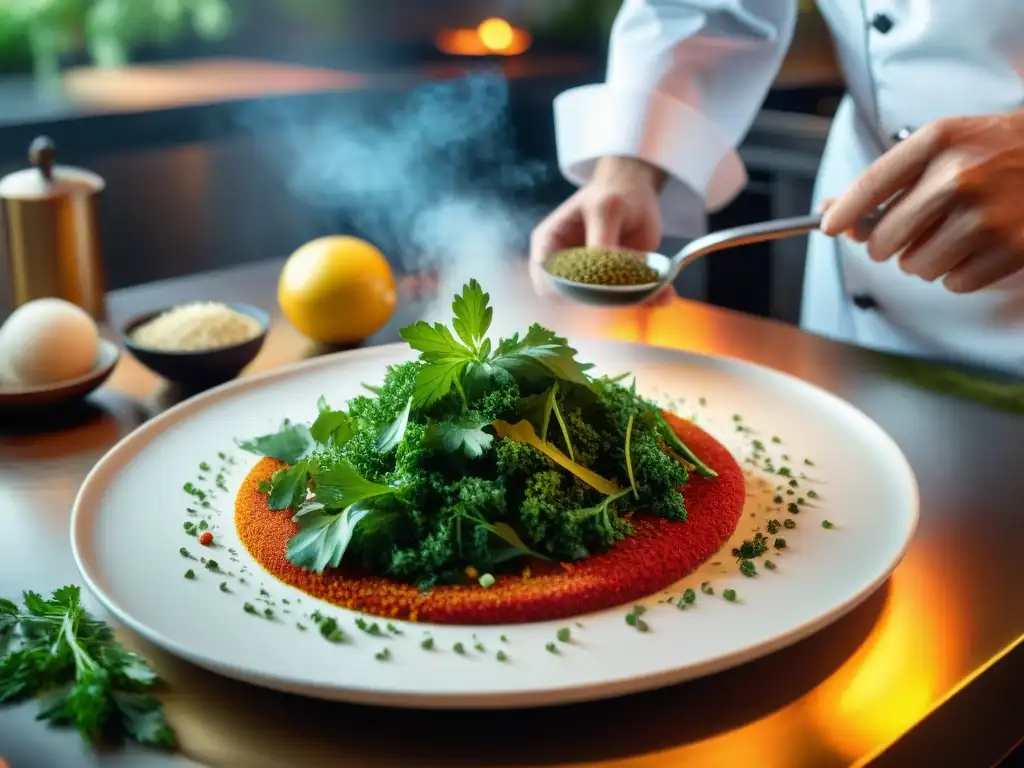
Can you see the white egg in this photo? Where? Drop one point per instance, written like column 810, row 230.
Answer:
column 47, row 341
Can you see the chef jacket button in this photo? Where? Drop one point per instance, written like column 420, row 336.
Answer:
column 902, row 134
column 864, row 301
column 882, row 22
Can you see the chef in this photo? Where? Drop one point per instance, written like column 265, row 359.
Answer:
column 932, row 124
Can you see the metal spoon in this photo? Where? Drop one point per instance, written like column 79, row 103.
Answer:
column 669, row 268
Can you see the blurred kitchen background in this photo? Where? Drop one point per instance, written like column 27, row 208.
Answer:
column 231, row 131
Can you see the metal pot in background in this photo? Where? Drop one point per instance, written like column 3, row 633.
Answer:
column 49, row 234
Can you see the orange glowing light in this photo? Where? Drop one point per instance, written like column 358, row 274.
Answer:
column 892, row 680
column 491, row 37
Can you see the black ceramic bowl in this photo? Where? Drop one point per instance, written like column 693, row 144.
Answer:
column 202, row 368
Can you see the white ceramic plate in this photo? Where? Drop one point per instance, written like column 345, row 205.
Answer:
column 127, row 528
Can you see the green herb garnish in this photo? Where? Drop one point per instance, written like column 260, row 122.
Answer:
column 427, row 644
column 730, row 595
column 331, row 631
column 384, row 655
column 190, row 574
column 706, row 588
column 780, row 543
column 54, row 649
column 827, row 524
column 564, row 635
column 789, row 523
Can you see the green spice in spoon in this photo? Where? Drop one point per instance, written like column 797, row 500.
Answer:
column 601, row 266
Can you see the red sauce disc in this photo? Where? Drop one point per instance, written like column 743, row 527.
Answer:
column 656, row 556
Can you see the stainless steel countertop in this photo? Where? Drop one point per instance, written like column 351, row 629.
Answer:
column 955, row 601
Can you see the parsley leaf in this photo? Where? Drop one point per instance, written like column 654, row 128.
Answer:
column 436, row 379
column 331, row 426
column 288, row 486
column 465, row 434
column 341, row 485
column 291, row 444
column 434, row 341
column 473, row 316
column 391, row 434
column 541, row 353
column 83, row 676
column 322, row 537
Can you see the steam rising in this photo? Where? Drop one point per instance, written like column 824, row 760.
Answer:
column 435, row 184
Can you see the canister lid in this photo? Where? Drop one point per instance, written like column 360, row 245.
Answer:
column 44, row 180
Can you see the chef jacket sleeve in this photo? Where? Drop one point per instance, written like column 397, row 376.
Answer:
column 685, row 79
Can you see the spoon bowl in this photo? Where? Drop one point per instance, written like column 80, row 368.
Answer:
column 668, row 269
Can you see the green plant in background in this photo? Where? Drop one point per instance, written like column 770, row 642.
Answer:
column 107, row 29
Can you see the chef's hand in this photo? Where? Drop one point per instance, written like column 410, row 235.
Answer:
column 618, row 207
column 957, row 211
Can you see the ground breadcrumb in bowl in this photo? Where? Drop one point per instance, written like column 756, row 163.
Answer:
column 659, row 553
column 199, row 344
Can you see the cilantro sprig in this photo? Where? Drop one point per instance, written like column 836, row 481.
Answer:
column 52, row 649
column 451, row 362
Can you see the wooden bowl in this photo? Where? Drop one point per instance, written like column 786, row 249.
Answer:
column 61, row 393
column 204, row 368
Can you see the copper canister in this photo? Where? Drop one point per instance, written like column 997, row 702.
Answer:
column 49, row 235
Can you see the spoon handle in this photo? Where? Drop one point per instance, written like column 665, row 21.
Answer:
column 750, row 233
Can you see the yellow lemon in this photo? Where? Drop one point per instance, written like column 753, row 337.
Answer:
column 337, row 289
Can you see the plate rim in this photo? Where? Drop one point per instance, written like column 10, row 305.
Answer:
column 506, row 698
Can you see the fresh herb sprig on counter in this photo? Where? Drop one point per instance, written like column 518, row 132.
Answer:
column 52, row 649
column 473, row 455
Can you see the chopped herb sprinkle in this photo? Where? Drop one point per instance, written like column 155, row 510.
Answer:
column 773, row 527
column 269, row 613
column 185, row 553
column 747, row 568
column 769, row 564
column 706, row 588
column 793, row 483
column 486, row 580
column 780, row 543
column 827, row 524
column 808, row 462
column 331, row 631
column 778, row 499
column 689, row 596
column 793, row 509
column 812, row 494
column 224, row 587
column 503, row 639
column 203, row 525
column 790, row 523
column 459, row 648
column 393, row 629
column 480, row 647
column 190, row 574
column 730, row 595
column 427, row 644
column 211, row 565
column 249, row 608
column 384, row 655
column 551, row 648
column 502, row 656
column 564, row 635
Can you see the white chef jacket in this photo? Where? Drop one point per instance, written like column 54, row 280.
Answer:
column 686, row 78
